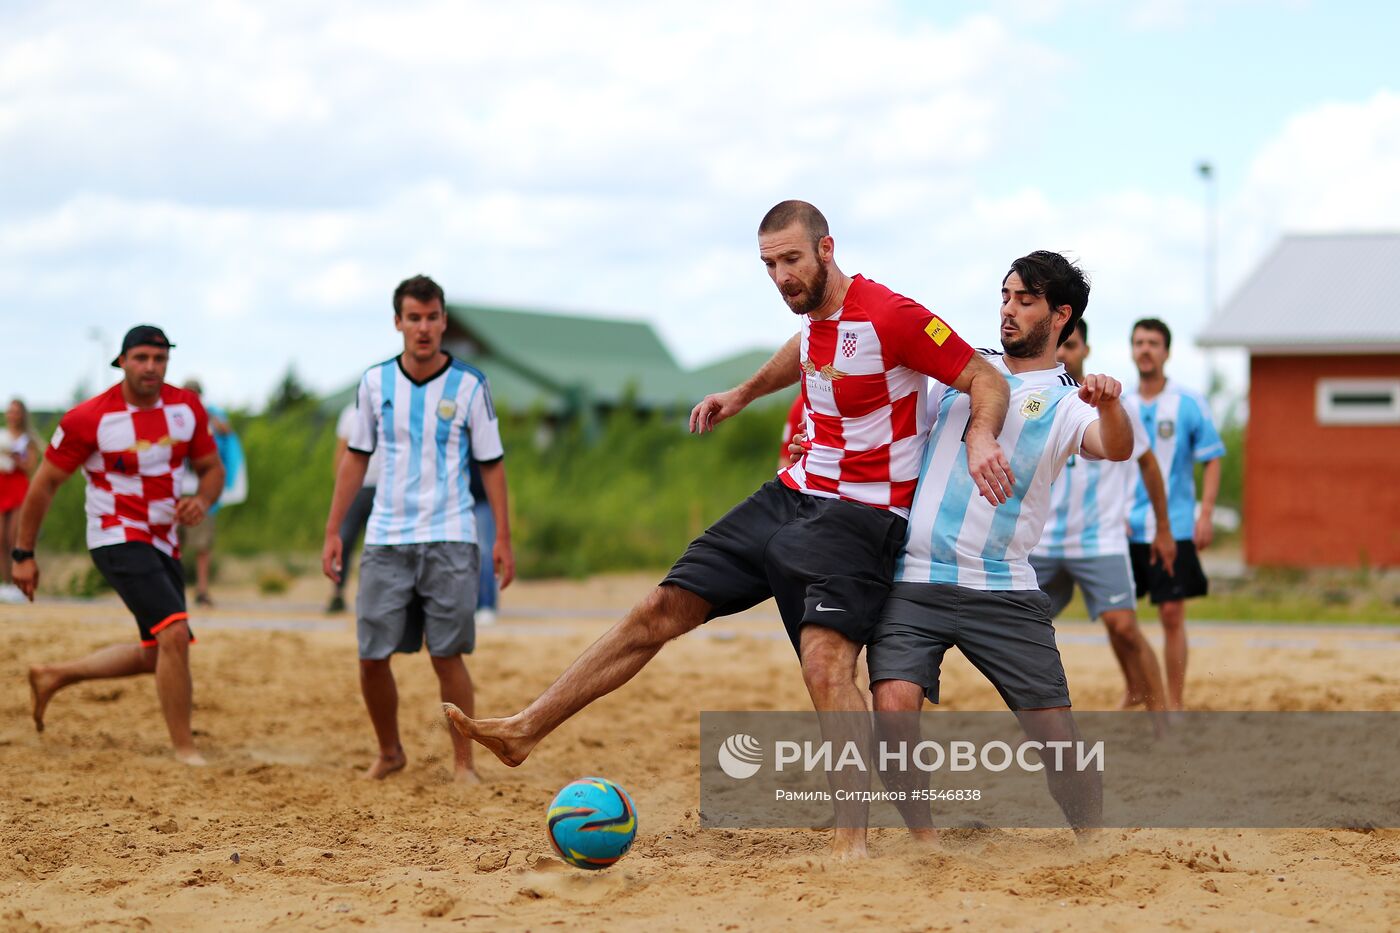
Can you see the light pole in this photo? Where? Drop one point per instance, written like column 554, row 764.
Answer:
column 1207, row 172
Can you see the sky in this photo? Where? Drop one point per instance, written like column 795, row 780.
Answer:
column 256, row 177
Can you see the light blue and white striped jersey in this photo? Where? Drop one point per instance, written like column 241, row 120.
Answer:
column 956, row 536
column 427, row 431
column 1089, row 503
column 1182, row 434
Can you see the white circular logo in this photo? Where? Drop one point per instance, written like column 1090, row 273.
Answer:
column 740, row 756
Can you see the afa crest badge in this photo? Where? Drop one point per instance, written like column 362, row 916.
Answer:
column 1035, row 406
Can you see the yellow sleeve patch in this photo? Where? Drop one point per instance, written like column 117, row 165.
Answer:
column 937, row 330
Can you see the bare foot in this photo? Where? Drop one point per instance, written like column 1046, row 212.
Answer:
column 465, row 775
column 190, row 757
column 385, row 765
column 42, row 686
column 1129, row 701
column 847, row 846
column 502, row 737
column 924, row 838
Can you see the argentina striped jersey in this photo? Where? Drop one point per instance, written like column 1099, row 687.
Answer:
column 1182, row 434
column 426, row 431
column 956, row 536
column 1089, row 503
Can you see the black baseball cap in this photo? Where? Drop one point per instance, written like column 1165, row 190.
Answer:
column 143, row 335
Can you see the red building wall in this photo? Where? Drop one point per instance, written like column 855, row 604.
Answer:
column 1318, row 495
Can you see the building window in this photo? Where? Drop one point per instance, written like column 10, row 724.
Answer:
column 1358, row 401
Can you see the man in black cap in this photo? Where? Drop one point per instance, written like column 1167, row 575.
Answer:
column 134, row 442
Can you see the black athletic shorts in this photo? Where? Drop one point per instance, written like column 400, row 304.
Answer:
column 1188, row 580
column 1006, row 634
column 825, row 562
column 149, row 581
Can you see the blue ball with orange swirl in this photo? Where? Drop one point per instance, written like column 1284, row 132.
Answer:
column 592, row 823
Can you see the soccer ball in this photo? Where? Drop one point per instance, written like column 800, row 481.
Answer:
column 592, row 823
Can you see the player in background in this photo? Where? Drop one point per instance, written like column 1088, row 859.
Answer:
column 822, row 537
column 134, row 443
column 963, row 579
column 357, row 514
column 19, row 458
column 1086, row 543
column 429, row 413
column 199, row 539
column 1182, row 433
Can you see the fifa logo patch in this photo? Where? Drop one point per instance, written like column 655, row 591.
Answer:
column 937, row 330
column 446, row 409
column 848, row 343
column 1035, row 406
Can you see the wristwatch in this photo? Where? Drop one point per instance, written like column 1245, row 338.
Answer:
column 20, row 555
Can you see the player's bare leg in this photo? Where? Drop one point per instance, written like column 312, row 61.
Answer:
column 1173, row 616
column 382, row 700
column 828, row 668
column 1079, row 793
column 897, row 711
column 615, row 658
column 455, row 687
column 1139, row 663
column 114, row 661
column 1124, row 651
column 175, row 688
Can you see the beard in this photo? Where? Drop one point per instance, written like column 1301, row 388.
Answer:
column 1030, row 343
column 812, row 295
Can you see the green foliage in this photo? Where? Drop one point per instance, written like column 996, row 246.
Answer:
column 629, row 492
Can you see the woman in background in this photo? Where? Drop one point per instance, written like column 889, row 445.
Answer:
column 19, row 458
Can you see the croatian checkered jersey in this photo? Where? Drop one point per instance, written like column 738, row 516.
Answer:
column 427, row 431
column 134, row 460
column 955, row 535
column 864, row 392
column 1182, row 434
column 1089, row 503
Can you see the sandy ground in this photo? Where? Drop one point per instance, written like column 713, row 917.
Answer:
column 100, row 828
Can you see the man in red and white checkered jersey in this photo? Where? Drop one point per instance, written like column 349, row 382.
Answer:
column 134, row 443
column 822, row 539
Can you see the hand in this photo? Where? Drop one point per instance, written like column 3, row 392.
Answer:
column 1099, row 389
column 1205, row 530
column 190, row 511
column 715, row 408
column 503, row 559
column 989, row 468
column 798, row 446
column 1164, row 550
column 330, row 557
column 25, row 575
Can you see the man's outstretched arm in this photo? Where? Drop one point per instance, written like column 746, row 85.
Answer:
column 778, row 373
column 42, row 488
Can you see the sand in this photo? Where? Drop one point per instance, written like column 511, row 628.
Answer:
column 100, row 828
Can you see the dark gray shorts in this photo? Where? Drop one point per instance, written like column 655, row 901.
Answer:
column 437, row 581
column 1006, row 634
column 1106, row 582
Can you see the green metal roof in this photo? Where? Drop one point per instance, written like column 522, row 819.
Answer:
column 557, row 362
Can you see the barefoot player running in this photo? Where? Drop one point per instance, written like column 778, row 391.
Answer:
column 133, row 442
column 821, row 539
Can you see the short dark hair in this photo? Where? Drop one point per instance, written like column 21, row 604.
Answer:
column 1059, row 280
column 419, row 288
column 1155, row 324
column 786, row 213
column 1082, row 326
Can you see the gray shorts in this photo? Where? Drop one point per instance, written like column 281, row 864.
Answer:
column 402, row 585
column 1106, row 581
column 1006, row 634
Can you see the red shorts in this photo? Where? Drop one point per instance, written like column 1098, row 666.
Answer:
column 13, row 486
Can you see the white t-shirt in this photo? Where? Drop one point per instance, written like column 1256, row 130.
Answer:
column 342, row 431
column 958, row 537
column 428, row 431
column 1089, row 503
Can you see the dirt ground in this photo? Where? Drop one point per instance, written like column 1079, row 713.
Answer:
column 100, row 828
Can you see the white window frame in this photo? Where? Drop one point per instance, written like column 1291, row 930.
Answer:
column 1329, row 412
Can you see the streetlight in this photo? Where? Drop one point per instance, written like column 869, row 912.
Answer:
column 1215, row 381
